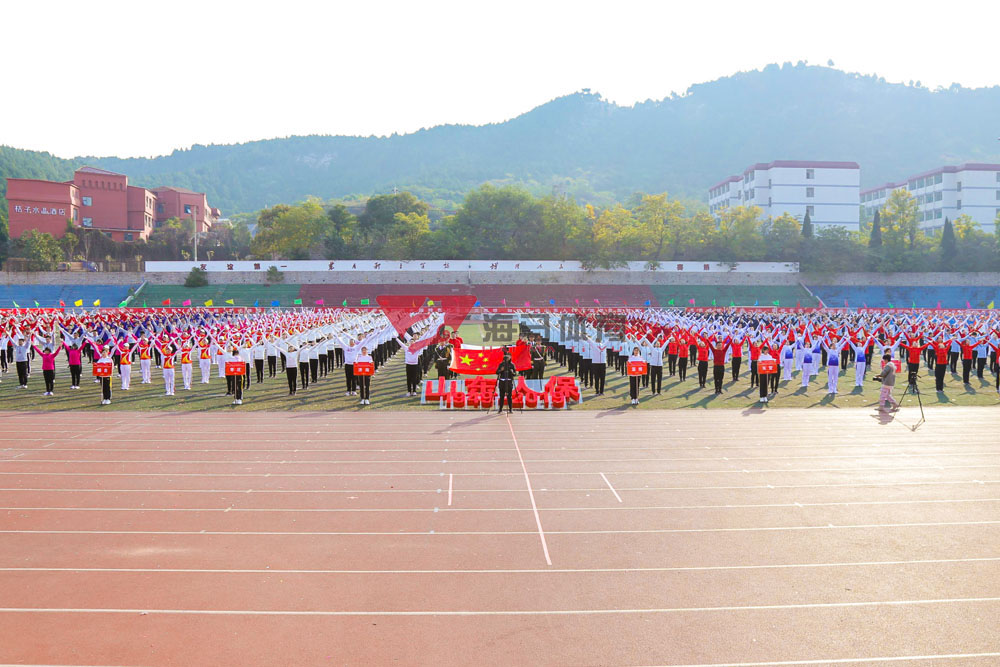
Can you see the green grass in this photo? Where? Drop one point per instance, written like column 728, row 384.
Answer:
column 388, row 389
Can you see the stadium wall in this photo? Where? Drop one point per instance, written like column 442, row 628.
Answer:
column 515, row 278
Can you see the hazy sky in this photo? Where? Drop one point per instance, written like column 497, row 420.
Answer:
column 143, row 78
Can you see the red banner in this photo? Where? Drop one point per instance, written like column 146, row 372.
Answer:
column 236, row 368
column 364, row 368
column 103, row 369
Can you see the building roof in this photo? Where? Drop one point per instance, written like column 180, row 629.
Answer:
column 968, row 166
column 811, row 164
column 181, row 190
column 884, row 186
column 731, row 179
column 95, row 170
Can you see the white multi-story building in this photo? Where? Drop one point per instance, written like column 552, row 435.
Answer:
column 946, row 192
column 828, row 191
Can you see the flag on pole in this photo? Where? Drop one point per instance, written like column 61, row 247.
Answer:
column 845, row 304
column 186, row 302
column 15, row 304
column 552, row 302
column 344, row 302
column 968, row 305
column 504, row 301
column 776, row 302
column 430, row 302
column 144, row 303
column 36, row 303
column 97, row 302
column 256, row 303
column 691, row 301
column 209, row 303
column 713, row 302
column 913, row 304
column 527, row 304
column 939, row 305
column 319, row 302
column 756, row 302
column 166, row 302
column 576, row 301
column 670, row 303
column 364, row 302
column 78, row 302
column 298, row 302
column 275, row 303
column 732, row 303
column 230, row 302
column 121, row 305
column 597, row 301
column 477, row 304
column 648, row 302
column 989, row 306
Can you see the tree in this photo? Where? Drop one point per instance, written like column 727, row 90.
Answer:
column 807, row 226
column 40, row 248
column 875, row 240
column 899, row 220
column 292, row 233
column 948, row 246
column 197, row 277
column 783, row 238
column 69, row 241
column 274, row 275
column 379, row 217
column 965, row 227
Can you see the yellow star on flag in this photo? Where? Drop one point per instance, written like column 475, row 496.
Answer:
column 466, row 359
column 480, row 354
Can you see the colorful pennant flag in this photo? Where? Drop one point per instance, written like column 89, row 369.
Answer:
column 209, row 303
column 732, row 303
column 968, row 305
column 756, row 302
column 344, row 302
column 989, row 306
column 670, row 303
column 97, row 302
column 319, row 302
column 186, row 302
column 166, row 302
column 275, row 303
column 527, row 304
column 15, row 303
column 477, row 304
column 297, row 302
column 36, row 304
column 576, row 301
column 597, row 301
column 122, row 304
column 713, row 302
column 691, row 301
column 552, row 302
column 78, row 302
column 776, row 302
column 430, row 302
column 648, row 302
column 143, row 303
column 365, row 302
column 230, row 302
column 256, row 303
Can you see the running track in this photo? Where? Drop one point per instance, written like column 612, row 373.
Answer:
column 575, row 538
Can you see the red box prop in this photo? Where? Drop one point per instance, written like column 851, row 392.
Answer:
column 364, row 368
column 103, row 370
column 636, row 368
column 236, row 368
column 767, row 366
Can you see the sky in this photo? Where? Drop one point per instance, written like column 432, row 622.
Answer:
column 145, row 78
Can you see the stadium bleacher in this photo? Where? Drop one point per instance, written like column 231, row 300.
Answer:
column 49, row 296
column 835, row 296
column 241, row 295
column 740, row 295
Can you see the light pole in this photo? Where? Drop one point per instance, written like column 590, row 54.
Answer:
column 194, row 223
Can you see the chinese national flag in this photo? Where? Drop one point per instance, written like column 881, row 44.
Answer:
column 475, row 361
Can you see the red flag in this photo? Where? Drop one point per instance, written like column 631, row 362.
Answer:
column 576, row 301
column 166, row 302
column 691, row 301
column 597, row 302
column 939, row 305
column 319, row 302
column 968, row 305
column 62, row 304
column 472, row 361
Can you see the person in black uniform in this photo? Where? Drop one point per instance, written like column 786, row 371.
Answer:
column 442, row 359
column 537, row 360
column 505, row 382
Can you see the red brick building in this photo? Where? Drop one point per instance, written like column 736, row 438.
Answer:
column 102, row 200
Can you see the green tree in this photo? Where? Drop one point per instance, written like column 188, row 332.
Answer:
column 965, row 227
column 274, row 275
column 197, row 277
column 899, row 220
column 292, row 233
column 807, row 226
column 875, row 240
column 376, row 222
column 948, row 246
column 783, row 238
column 40, row 248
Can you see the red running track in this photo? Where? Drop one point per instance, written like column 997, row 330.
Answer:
column 591, row 538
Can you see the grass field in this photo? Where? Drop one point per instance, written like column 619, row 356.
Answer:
column 389, row 385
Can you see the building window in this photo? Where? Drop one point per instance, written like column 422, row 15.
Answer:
column 128, row 236
column 810, row 211
column 938, row 195
column 810, row 192
column 160, row 208
column 998, row 194
column 998, row 177
column 959, row 207
column 810, row 174
column 88, row 222
column 937, row 213
column 87, row 201
column 938, row 179
column 959, row 186
column 187, row 208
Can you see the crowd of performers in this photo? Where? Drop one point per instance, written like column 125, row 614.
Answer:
column 304, row 345
column 309, row 345
column 673, row 343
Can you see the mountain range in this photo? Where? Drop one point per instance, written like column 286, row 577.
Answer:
column 593, row 149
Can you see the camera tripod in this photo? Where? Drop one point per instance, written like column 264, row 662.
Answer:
column 912, row 388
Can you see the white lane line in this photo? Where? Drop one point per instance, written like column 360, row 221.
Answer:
column 844, row 661
column 635, row 508
column 505, row 612
column 507, row 532
column 451, row 478
column 531, row 494
column 16, row 458
column 597, row 570
column 611, row 487
column 498, row 474
column 550, row 490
